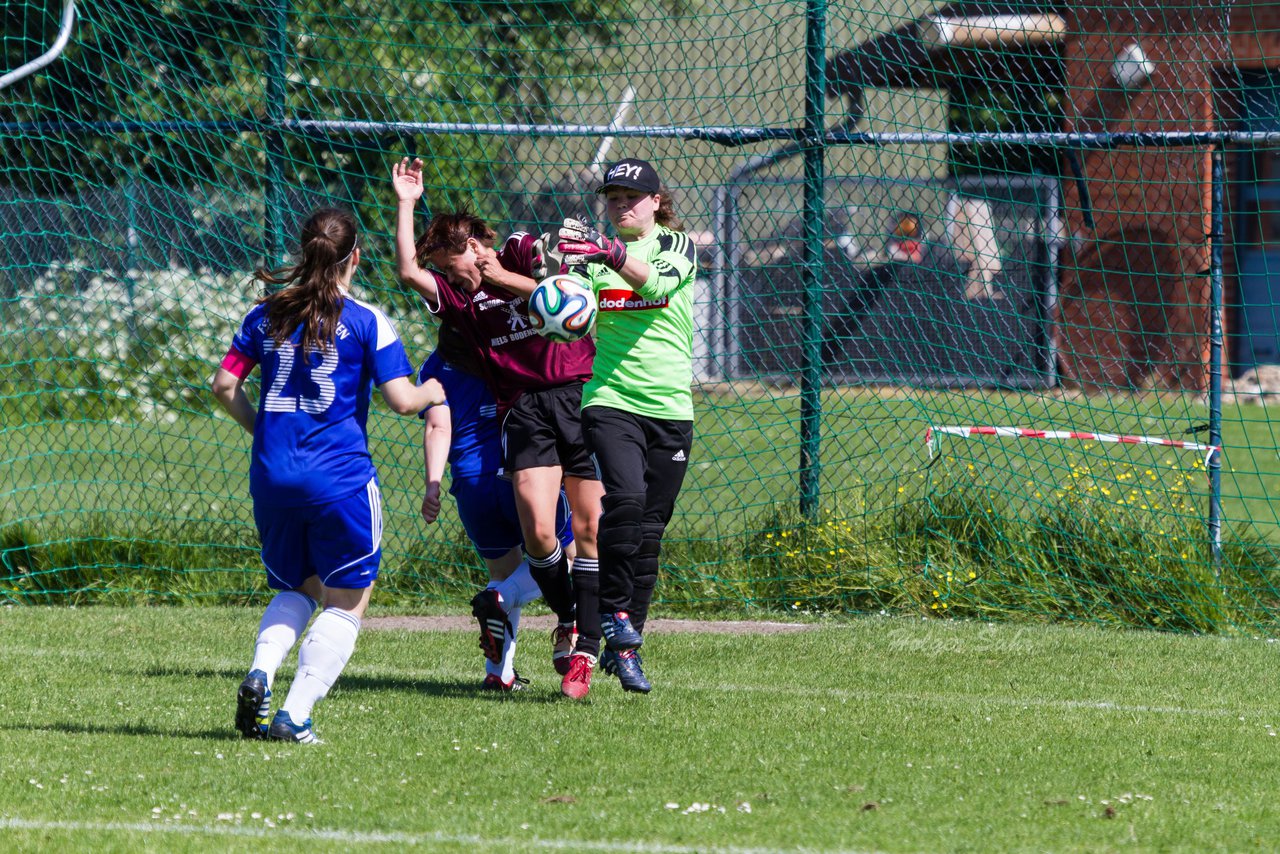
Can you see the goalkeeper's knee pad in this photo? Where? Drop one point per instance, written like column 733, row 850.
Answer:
column 619, row 535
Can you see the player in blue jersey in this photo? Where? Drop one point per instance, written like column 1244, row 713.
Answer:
column 466, row 433
column 315, row 490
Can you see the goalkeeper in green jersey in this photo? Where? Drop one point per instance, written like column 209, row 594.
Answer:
column 637, row 409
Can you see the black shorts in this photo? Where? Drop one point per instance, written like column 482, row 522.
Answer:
column 544, row 428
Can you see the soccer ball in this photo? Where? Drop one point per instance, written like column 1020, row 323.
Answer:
column 562, row 308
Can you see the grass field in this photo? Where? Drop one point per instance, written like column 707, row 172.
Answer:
column 122, row 512
column 878, row 734
column 746, row 453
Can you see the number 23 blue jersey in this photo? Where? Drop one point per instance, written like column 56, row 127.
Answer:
column 309, row 441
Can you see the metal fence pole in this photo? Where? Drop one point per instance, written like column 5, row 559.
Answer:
column 277, row 52
column 130, row 259
column 1216, row 234
column 65, row 26
column 813, row 274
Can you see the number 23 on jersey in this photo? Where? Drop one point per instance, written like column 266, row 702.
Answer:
column 313, row 380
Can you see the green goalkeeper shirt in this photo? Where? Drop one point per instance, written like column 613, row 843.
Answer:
column 644, row 336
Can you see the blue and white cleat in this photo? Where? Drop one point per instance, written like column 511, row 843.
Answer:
column 626, row 666
column 284, row 729
column 618, row 632
column 253, row 706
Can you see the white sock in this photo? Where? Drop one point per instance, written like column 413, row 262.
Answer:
column 323, row 654
column 494, row 668
column 285, row 618
column 519, row 588
column 505, row 669
column 509, row 647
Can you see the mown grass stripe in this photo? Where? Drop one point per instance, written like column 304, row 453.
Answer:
column 357, row 837
column 676, row 685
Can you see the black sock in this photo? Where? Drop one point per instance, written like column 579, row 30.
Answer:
column 586, row 589
column 552, row 576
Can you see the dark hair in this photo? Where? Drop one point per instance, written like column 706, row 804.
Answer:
column 312, row 295
column 665, row 215
column 450, row 232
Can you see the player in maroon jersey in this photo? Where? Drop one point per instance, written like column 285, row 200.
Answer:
column 482, row 293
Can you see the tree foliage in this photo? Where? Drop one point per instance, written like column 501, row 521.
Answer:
column 210, row 62
column 1024, row 107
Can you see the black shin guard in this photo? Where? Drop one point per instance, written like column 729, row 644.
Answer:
column 646, row 577
column 619, row 538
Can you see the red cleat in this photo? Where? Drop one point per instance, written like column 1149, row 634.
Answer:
column 563, row 638
column 577, row 682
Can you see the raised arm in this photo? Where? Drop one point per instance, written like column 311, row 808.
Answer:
column 674, row 265
column 406, row 177
column 675, row 261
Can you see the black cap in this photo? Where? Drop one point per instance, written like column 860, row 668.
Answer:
column 631, row 174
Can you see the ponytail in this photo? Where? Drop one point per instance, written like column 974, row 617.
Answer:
column 310, row 294
column 665, row 215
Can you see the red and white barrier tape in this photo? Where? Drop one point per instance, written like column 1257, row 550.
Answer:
column 1025, row 433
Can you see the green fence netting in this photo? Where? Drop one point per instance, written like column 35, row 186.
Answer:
column 916, row 223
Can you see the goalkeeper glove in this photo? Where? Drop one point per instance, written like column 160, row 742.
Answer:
column 582, row 244
column 548, row 260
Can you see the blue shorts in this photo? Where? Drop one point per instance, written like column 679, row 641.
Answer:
column 341, row 542
column 487, row 508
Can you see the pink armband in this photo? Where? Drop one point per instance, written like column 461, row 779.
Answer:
column 237, row 363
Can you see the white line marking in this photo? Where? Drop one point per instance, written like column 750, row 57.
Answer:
column 363, row 837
